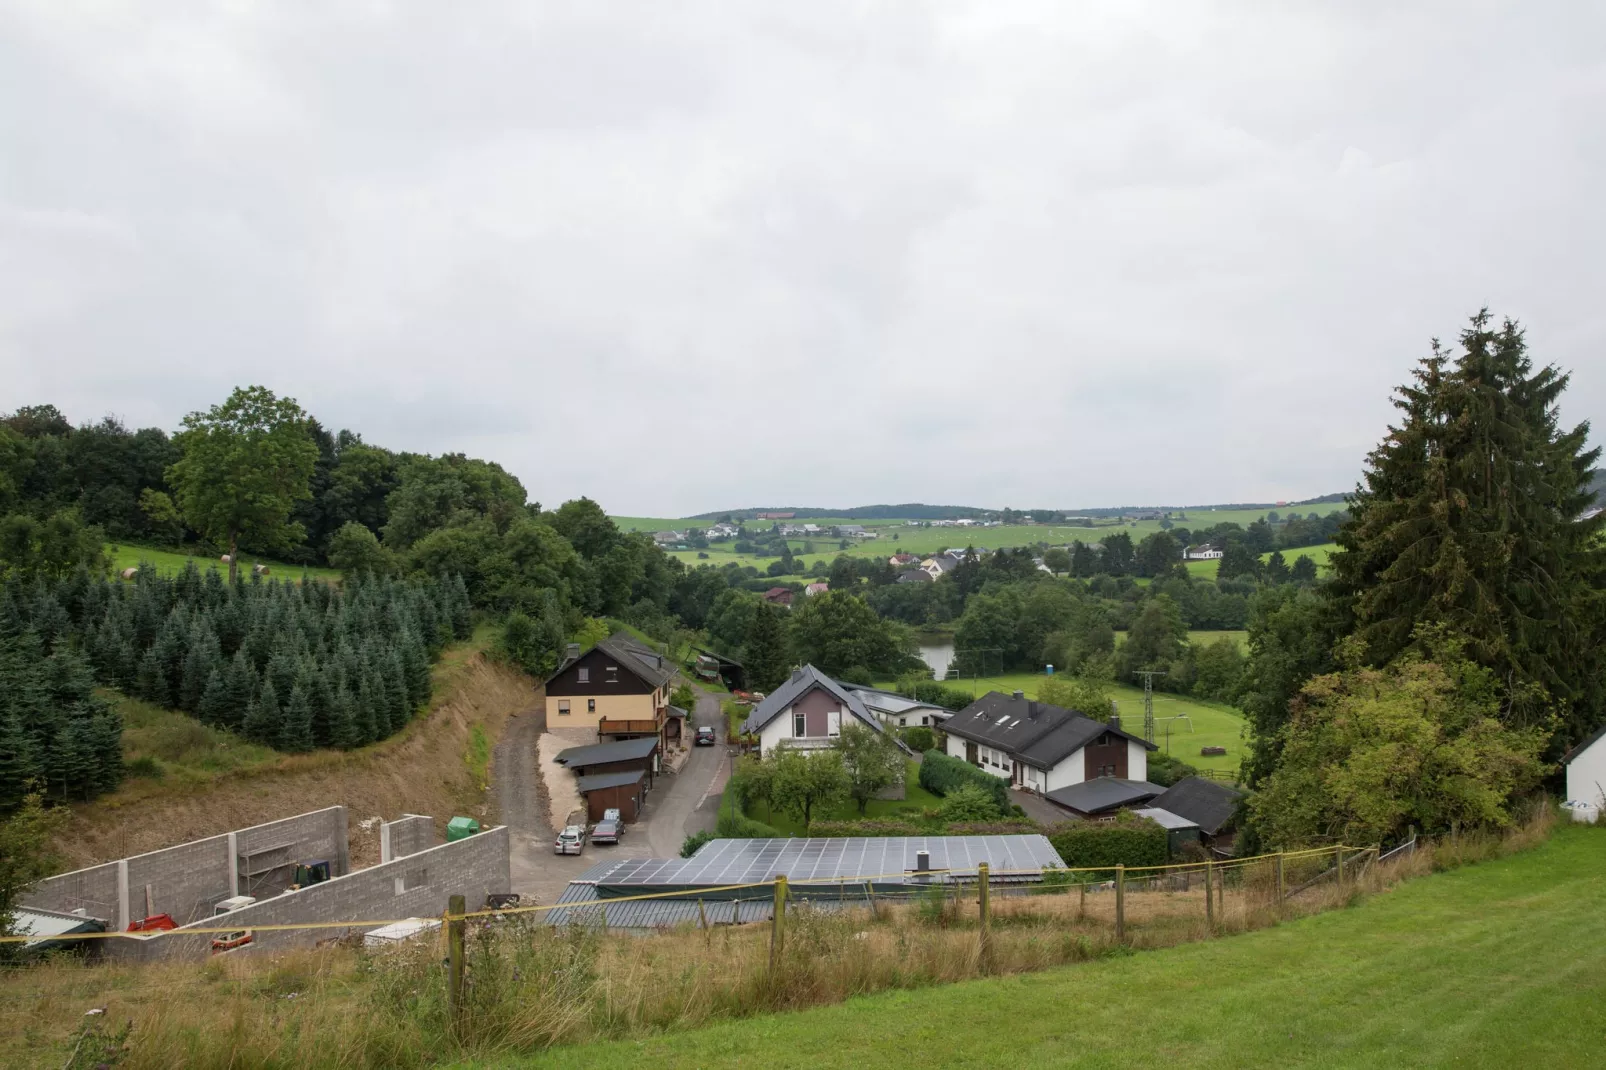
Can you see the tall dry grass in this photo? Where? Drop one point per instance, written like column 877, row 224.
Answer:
column 531, row 987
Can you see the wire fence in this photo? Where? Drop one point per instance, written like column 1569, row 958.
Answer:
column 1158, row 892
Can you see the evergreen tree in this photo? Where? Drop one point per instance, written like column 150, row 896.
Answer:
column 1237, row 559
column 1276, row 569
column 367, row 711
column 151, row 683
column 295, row 731
column 240, row 686
column 765, row 652
column 343, row 730
column 401, row 709
column 263, row 718
column 17, row 763
column 213, row 706
column 1303, row 570
column 1471, row 515
column 201, row 660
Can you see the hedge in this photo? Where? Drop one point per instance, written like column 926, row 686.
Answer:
column 1126, row 841
column 843, row 829
column 940, row 774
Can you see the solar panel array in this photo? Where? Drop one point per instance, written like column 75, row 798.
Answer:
column 890, row 860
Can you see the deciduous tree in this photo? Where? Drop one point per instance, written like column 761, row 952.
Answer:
column 244, row 465
column 871, row 760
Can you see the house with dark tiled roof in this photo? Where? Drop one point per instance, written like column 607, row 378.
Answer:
column 620, row 687
column 1211, row 806
column 1041, row 747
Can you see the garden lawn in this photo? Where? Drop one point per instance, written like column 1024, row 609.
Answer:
column 915, row 798
column 1193, row 723
column 167, row 562
column 1500, row 964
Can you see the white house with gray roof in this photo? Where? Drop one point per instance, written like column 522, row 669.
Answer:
column 1041, row 747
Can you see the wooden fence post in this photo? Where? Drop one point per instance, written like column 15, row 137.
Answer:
column 1281, row 891
column 778, row 924
column 702, row 915
column 1210, row 895
column 456, row 907
column 1339, row 854
column 984, row 905
column 1120, row 904
column 1081, row 899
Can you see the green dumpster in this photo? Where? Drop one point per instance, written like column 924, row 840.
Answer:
column 461, row 828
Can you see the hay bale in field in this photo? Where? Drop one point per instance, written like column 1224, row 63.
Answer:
column 259, row 570
column 129, row 573
column 226, row 559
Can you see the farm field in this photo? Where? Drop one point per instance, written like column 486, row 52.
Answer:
column 131, row 555
column 1194, row 723
column 1491, row 965
column 928, row 540
column 1318, row 554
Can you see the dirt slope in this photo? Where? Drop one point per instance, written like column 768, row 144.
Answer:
column 437, row 766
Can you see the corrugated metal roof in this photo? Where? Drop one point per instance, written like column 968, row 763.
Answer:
column 42, row 925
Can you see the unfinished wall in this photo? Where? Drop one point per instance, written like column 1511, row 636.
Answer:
column 407, row 835
column 417, row 885
column 188, row 880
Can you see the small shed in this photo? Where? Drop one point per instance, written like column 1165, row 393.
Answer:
column 626, row 792
column 1178, row 830
column 711, row 664
column 619, row 756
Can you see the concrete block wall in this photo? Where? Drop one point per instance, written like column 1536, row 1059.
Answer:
column 417, row 885
column 186, row 881
column 407, row 835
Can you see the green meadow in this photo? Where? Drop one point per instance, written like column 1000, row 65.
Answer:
column 131, row 555
column 1497, row 964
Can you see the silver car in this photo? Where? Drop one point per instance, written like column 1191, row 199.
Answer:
column 571, row 841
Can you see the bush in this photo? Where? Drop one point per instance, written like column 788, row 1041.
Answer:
column 1165, row 770
column 949, row 698
column 741, row 827
column 1126, row 841
column 693, row 842
column 968, row 802
column 919, row 738
column 873, row 827
column 1005, row 827
column 940, row 774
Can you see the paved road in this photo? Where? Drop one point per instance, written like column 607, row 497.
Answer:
column 678, row 805
column 681, row 805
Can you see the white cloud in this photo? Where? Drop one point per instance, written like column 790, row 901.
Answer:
column 686, row 256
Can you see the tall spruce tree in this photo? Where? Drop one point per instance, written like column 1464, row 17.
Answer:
column 1471, row 514
column 765, row 651
column 263, row 717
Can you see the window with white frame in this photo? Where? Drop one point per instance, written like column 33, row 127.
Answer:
column 583, row 674
column 800, row 727
column 563, row 707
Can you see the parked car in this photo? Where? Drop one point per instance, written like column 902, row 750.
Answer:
column 606, row 831
column 705, row 736
column 571, row 841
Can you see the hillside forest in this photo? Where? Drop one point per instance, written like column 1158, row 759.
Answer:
column 1431, row 674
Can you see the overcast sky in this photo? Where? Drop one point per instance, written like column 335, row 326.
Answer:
column 686, row 256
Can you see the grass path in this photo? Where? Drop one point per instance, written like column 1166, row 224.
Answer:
column 1501, row 964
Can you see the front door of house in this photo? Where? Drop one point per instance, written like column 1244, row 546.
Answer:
column 970, row 754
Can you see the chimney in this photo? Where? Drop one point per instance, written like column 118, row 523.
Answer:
column 571, row 652
column 1031, row 710
column 1019, row 695
column 1115, row 721
column 797, row 674
column 922, row 861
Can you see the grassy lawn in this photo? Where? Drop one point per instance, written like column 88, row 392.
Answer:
column 1493, row 965
column 915, row 798
column 131, row 555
